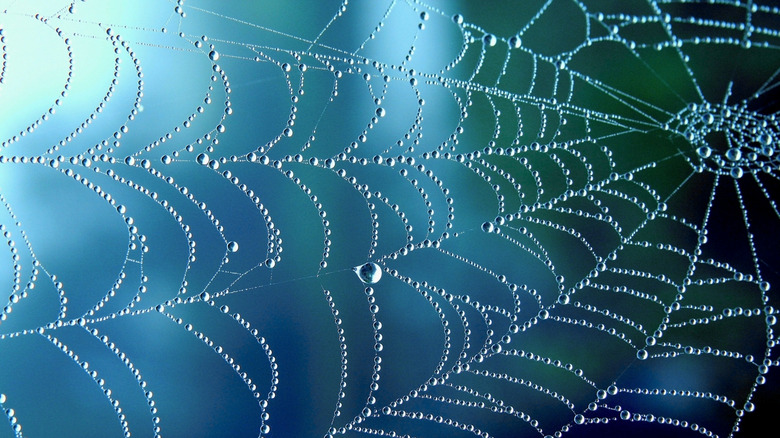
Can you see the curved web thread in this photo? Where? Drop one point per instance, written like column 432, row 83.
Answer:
column 557, row 237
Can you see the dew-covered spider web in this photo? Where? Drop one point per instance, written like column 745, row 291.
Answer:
column 389, row 218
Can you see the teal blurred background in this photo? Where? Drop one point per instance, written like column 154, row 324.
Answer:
column 73, row 79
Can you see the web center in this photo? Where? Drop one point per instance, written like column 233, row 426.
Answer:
column 729, row 139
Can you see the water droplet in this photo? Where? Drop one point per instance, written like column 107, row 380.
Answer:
column 704, row 151
column 515, row 42
column 369, row 273
column 202, row 159
column 488, row 227
column 213, row 55
column 734, row 154
column 489, row 39
column 232, row 246
column 457, row 19
column 641, row 354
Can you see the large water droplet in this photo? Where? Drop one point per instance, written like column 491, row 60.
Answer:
column 370, row 273
column 734, row 154
column 213, row 55
column 704, row 151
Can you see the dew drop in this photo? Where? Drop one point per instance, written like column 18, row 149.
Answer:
column 369, row 273
column 734, row 154
column 232, row 246
column 213, row 55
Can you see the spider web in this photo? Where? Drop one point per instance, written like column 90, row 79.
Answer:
column 562, row 214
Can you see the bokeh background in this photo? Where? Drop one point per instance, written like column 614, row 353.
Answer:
column 75, row 74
